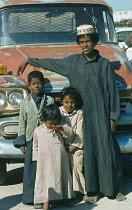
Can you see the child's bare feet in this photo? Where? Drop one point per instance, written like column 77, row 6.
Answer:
column 120, row 197
column 87, row 199
column 46, row 206
column 92, row 199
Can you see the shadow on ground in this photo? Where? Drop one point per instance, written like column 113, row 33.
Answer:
column 75, row 204
column 10, row 201
column 80, row 206
column 14, row 176
column 127, row 173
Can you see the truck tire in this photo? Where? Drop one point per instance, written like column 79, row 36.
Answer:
column 3, row 172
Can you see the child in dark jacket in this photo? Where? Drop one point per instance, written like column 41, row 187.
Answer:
column 30, row 117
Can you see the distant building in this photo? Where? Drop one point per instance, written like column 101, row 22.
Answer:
column 123, row 18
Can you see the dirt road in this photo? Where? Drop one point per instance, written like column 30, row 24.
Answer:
column 10, row 193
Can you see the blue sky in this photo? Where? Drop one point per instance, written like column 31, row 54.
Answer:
column 120, row 5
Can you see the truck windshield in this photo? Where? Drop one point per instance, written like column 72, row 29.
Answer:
column 37, row 24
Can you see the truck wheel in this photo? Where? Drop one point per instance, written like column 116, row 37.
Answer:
column 3, row 173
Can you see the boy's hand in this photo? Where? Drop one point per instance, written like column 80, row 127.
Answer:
column 23, row 149
column 21, row 68
column 113, row 125
column 72, row 148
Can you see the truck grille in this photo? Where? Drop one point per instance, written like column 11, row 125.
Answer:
column 10, row 129
column 126, row 107
column 123, row 108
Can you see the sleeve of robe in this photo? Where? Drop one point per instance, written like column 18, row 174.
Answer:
column 114, row 99
column 60, row 66
column 35, row 147
column 78, row 139
column 19, row 141
column 68, row 132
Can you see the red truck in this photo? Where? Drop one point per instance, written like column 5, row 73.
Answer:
column 47, row 29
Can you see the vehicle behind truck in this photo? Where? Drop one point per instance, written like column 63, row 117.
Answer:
column 47, row 29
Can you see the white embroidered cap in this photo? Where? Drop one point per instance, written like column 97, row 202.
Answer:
column 85, row 29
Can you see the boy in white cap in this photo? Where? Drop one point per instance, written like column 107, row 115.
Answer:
column 92, row 76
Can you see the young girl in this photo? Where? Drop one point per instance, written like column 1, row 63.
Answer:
column 53, row 178
column 73, row 117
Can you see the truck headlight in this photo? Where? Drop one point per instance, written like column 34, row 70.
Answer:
column 3, row 68
column 2, row 98
column 15, row 98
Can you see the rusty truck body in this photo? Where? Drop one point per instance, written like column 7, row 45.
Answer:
column 47, row 29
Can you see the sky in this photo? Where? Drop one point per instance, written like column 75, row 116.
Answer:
column 120, row 5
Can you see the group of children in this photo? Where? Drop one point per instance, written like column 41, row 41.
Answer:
column 52, row 139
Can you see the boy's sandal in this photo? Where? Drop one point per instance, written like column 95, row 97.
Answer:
column 87, row 199
column 92, row 199
column 38, row 206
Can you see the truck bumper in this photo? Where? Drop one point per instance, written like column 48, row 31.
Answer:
column 125, row 141
column 7, row 150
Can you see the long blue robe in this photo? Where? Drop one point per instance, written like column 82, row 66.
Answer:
column 95, row 81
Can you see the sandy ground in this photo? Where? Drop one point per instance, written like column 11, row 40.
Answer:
column 10, row 194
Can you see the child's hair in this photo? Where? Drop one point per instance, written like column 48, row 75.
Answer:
column 51, row 112
column 35, row 74
column 72, row 93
